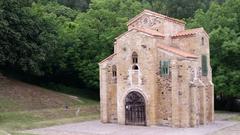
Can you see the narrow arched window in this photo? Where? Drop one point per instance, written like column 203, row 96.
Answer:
column 134, row 58
column 202, row 40
column 204, row 65
column 114, row 71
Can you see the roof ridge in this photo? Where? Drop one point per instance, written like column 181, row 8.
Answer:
column 156, row 14
column 178, row 20
column 200, row 28
column 109, row 57
column 188, row 32
column 144, row 30
column 149, row 31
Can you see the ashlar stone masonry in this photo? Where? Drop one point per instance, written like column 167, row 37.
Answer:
column 159, row 74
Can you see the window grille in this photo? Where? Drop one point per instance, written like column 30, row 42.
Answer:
column 204, row 65
column 164, row 68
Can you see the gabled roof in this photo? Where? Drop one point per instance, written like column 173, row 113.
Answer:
column 177, row 51
column 144, row 30
column 148, row 12
column 149, row 31
column 189, row 32
column 108, row 58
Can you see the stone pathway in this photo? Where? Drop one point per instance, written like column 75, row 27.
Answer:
column 233, row 130
column 97, row 128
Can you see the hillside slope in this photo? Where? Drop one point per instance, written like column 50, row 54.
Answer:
column 19, row 96
column 25, row 106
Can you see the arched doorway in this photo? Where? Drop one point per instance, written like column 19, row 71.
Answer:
column 135, row 109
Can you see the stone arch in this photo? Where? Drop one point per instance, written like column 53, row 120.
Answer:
column 121, row 102
column 135, row 109
column 135, row 67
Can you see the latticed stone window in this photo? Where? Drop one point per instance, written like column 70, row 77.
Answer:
column 134, row 58
column 204, row 65
column 164, row 67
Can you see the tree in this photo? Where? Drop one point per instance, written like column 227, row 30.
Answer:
column 26, row 39
column 76, row 4
column 222, row 23
column 84, row 38
column 96, row 29
column 177, row 8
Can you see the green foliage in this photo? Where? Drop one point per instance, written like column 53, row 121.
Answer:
column 178, row 8
column 26, row 39
column 76, row 4
column 222, row 23
column 59, row 43
column 96, row 29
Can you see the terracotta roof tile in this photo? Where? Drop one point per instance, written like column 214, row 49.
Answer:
column 177, row 51
column 149, row 31
column 108, row 58
column 188, row 32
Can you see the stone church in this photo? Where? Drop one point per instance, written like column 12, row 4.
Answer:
column 159, row 74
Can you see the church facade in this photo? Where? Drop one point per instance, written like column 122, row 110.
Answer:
column 159, row 74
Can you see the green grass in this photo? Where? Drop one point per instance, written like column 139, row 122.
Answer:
column 16, row 120
column 7, row 104
column 236, row 117
column 14, row 133
column 13, row 122
column 225, row 115
column 21, row 133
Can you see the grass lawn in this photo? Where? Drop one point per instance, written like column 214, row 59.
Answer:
column 24, row 106
column 237, row 117
column 229, row 116
column 12, row 122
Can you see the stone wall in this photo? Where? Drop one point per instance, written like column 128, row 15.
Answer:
column 164, row 111
column 103, row 92
column 142, row 80
column 108, row 97
column 164, row 84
